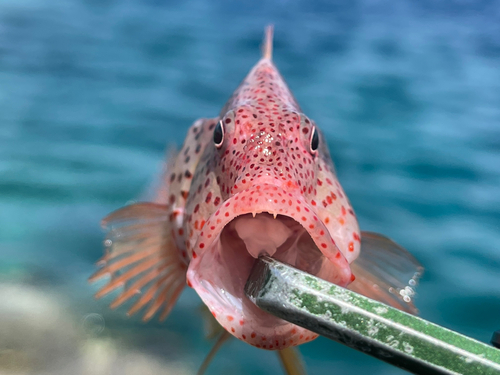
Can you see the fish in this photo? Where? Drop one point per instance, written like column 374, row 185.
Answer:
column 257, row 179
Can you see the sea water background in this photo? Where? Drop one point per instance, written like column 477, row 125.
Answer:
column 407, row 92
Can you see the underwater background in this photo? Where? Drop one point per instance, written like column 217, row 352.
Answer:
column 92, row 91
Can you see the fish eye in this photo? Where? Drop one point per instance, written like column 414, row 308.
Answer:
column 219, row 134
column 314, row 144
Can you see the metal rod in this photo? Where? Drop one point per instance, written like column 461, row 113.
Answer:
column 372, row 327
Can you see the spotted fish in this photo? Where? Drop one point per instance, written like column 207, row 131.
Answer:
column 256, row 179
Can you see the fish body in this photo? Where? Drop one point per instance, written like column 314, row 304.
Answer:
column 256, row 179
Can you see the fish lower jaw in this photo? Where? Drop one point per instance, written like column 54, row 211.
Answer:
column 224, row 269
column 234, row 237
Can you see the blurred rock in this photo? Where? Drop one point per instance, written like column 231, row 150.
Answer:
column 40, row 335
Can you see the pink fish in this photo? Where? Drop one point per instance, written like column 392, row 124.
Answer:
column 256, row 179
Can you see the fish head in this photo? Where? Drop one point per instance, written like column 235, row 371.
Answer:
column 265, row 186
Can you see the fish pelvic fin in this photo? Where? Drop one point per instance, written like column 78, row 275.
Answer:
column 292, row 361
column 223, row 337
column 386, row 272
column 141, row 256
column 267, row 45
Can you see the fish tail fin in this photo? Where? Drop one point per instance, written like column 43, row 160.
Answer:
column 267, row 45
column 292, row 361
column 223, row 337
column 386, row 272
column 142, row 257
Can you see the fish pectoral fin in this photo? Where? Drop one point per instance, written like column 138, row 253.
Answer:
column 141, row 257
column 292, row 361
column 386, row 272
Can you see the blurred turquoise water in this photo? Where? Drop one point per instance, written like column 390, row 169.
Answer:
column 408, row 94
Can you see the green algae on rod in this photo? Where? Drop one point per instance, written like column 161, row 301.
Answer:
column 395, row 337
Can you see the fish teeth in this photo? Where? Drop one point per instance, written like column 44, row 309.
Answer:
column 275, row 214
column 254, row 213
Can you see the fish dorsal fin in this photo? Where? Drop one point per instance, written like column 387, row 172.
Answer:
column 267, row 45
column 386, row 272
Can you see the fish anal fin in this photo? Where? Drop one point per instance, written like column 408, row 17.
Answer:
column 141, row 256
column 386, row 272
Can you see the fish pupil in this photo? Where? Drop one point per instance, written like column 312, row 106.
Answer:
column 218, row 134
column 314, row 140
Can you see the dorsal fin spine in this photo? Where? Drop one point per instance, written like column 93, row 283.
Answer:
column 267, row 46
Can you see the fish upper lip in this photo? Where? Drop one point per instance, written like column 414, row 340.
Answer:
column 274, row 200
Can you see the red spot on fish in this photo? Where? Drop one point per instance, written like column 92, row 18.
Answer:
column 202, row 245
column 230, row 318
column 351, row 246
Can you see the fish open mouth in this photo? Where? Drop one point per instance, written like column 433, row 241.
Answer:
column 261, row 220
